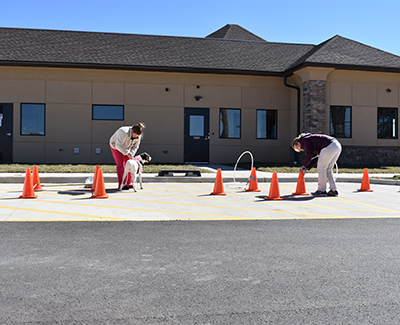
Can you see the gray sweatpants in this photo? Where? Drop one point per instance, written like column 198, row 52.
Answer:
column 326, row 160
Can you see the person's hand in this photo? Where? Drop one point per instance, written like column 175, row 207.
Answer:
column 303, row 169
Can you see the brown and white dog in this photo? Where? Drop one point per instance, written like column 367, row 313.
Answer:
column 135, row 167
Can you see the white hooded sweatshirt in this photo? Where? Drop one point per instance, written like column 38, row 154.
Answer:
column 121, row 140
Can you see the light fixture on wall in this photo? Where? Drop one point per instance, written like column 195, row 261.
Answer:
column 388, row 90
column 197, row 98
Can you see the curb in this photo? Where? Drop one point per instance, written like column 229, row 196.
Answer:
column 154, row 178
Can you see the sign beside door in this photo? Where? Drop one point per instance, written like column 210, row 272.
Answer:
column 197, row 135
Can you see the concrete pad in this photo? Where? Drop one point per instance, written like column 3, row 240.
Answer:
column 192, row 201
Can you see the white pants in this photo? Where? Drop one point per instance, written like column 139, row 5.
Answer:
column 327, row 159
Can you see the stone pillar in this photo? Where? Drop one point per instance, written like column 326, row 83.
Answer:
column 314, row 96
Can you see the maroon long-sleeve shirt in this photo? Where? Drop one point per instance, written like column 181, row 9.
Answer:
column 313, row 144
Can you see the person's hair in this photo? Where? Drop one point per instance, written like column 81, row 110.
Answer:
column 138, row 128
column 297, row 139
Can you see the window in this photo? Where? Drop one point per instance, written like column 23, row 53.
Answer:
column 108, row 112
column 229, row 123
column 267, row 123
column 387, row 123
column 196, row 126
column 32, row 119
column 340, row 121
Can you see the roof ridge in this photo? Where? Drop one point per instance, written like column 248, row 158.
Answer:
column 236, row 31
column 370, row 46
column 66, row 48
column 129, row 34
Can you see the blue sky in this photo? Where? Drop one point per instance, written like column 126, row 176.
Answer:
column 372, row 22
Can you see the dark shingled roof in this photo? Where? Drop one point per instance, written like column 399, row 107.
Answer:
column 214, row 54
column 340, row 52
column 235, row 32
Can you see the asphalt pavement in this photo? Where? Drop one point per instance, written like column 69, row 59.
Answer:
column 214, row 272
column 173, row 253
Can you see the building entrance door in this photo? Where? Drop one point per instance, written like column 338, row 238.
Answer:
column 197, row 135
column 6, row 126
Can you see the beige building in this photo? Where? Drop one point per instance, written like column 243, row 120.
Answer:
column 63, row 94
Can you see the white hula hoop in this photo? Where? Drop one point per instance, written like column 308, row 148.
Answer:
column 237, row 161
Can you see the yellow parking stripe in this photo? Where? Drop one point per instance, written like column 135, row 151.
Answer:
column 369, row 205
column 298, row 215
column 60, row 213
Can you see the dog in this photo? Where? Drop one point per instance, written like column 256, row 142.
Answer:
column 135, row 167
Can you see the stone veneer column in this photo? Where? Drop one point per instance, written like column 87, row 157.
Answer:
column 314, row 96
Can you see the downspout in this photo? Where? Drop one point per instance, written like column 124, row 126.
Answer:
column 298, row 111
column 298, row 100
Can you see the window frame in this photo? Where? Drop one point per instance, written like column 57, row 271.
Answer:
column 266, row 121
column 350, row 122
column 396, row 124
column 22, row 120
column 240, row 123
column 107, row 119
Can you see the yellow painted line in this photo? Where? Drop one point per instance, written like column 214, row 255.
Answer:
column 179, row 204
column 302, row 214
column 60, row 213
column 125, row 208
column 246, row 209
column 211, row 206
column 306, row 215
column 225, row 199
column 218, row 198
column 368, row 205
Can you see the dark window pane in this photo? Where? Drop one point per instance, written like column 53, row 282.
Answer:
column 387, row 123
column 32, row 119
column 229, row 123
column 108, row 112
column 267, row 124
column 340, row 121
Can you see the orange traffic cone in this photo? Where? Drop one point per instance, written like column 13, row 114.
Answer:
column 218, row 186
column 36, row 180
column 96, row 169
column 365, row 183
column 301, row 185
column 253, row 185
column 28, row 192
column 100, row 190
column 274, row 189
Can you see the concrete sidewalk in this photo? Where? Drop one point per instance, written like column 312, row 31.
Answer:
column 228, row 173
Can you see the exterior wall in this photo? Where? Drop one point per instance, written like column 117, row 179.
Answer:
column 70, row 93
column 364, row 92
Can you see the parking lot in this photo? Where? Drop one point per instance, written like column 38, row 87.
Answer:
column 193, row 201
column 247, row 260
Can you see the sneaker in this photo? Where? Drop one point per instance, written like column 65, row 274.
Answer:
column 332, row 193
column 125, row 188
column 319, row 193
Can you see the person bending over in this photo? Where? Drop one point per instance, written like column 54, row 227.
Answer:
column 321, row 150
column 124, row 143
